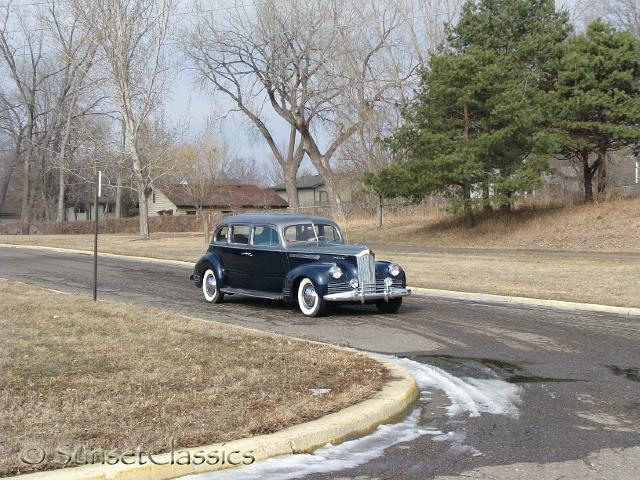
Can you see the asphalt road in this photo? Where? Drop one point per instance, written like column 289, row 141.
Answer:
column 579, row 371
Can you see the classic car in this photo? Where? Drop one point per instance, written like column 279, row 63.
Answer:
column 301, row 259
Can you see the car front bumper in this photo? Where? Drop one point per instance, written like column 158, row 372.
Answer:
column 358, row 295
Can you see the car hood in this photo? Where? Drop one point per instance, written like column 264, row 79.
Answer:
column 327, row 248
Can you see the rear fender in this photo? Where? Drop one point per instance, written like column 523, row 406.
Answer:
column 209, row 260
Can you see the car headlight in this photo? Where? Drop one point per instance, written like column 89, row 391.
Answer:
column 335, row 271
column 394, row 269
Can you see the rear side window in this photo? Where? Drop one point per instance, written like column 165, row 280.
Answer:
column 221, row 234
column 240, row 234
column 265, row 236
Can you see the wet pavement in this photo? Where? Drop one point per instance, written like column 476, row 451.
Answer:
column 578, row 371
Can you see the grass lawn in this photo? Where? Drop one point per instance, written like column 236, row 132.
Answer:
column 513, row 272
column 112, row 376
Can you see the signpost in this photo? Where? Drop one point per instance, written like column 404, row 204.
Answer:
column 95, row 236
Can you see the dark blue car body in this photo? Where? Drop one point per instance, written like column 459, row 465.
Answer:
column 242, row 264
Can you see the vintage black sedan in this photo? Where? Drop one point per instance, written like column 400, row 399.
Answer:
column 295, row 258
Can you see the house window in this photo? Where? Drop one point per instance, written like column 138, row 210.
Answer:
column 323, row 197
column 191, row 212
column 154, row 197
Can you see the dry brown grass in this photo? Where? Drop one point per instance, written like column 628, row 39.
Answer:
column 579, row 279
column 607, row 226
column 112, row 376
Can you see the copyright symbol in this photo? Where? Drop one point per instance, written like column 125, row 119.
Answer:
column 33, row 455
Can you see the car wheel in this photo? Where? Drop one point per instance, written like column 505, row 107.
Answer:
column 392, row 306
column 212, row 293
column 310, row 303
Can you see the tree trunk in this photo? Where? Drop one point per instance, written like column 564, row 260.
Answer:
column 290, row 177
column 486, row 197
column 25, row 214
column 123, row 143
column 140, row 185
column 602, row 174
column 61, row 191
column 205, row 225
column 118, row 196
column 587, row 177
column 379, row 212
column 469, row 216
column 333, row 194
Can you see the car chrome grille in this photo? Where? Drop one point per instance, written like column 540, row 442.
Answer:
column 397, row 283
column 338, row 287
column 367, row 271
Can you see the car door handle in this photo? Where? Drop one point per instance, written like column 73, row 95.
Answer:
column 248, row 254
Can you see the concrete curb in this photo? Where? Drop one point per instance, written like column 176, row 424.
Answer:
column 429, row 292
column 386, row 406
column 539, row 302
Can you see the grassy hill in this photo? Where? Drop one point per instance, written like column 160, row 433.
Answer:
column 609, row 226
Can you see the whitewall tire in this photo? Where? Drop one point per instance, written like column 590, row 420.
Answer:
column 309, row 301
column 210, row 287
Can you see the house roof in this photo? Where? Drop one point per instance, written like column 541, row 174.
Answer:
column 306, row 181
column 227, row 196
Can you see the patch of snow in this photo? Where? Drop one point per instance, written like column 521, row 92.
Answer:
column 467, row 395
column 471, row 395
column 319, row 391
column 329, row 458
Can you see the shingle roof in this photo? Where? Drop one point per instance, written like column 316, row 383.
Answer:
column 306, row 181
column 227, row 196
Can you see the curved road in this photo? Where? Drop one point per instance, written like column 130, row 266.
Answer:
column 579, row 371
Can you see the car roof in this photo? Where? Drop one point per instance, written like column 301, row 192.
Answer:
column 278, row 220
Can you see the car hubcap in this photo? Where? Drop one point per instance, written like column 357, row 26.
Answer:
column 309, row 296
column 211, row 285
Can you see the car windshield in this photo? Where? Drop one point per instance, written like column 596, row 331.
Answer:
column 308, row 232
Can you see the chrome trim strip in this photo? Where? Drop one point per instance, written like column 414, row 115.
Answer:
column 305, row 255
column 357, row 295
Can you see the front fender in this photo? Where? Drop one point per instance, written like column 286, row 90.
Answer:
column 209, row 260
column 382, row 271
column 317, row 272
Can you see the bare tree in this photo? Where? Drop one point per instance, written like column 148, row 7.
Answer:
column 214, row 57
column 299, row 58
column 202, row 167
column 46, row 66
column 12, row 128
column 624, row 14
column 132, row 37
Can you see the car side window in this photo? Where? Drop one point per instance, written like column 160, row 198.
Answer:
column 265, row 236
column 221, row 234
column 240, row 234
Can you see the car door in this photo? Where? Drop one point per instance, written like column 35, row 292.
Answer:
column 237, row 256
column 268, row 260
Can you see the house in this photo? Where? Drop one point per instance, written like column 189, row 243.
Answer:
column 312, row 191
column 623, row 176
column 84, row 211
column 176, row 199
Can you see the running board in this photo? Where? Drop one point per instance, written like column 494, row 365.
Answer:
column 253, row 293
